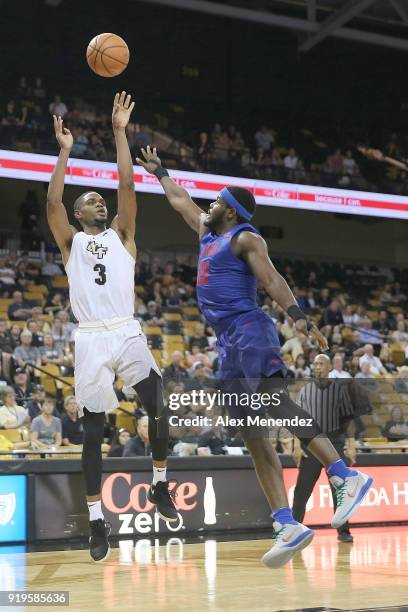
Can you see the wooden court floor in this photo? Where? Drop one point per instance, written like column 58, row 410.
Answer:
column 222, row 575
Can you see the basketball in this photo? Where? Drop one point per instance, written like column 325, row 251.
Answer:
column 107, row 55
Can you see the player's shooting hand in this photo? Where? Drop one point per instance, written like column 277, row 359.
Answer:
column 375, row 154
column 122, row 108
column 62, row 134
column 150, row 161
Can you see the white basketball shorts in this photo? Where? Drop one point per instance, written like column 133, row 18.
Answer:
column 99, row 355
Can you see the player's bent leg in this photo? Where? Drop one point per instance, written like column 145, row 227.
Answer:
column 93, row 423
column 290, row 535
column 351, row 485
column 150, row 392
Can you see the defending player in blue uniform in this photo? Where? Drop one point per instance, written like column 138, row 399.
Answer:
column 233, row 258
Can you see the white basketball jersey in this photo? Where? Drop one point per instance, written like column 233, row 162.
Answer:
column 101, row 277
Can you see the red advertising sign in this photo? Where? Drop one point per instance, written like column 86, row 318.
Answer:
column 386, row 501
column 90, row 173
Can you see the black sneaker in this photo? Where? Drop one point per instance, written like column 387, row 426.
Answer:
column 344, row 536
column 160, row 495
column 98, row 540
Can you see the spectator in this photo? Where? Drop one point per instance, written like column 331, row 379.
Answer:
column 7, row 343
column 366, row 378
column 153, row 316
column 37, row 336
column 19, row 310
column 54, row 304
column 383, row 323
column 349, row 164
column 12, row 415
column 57, row 107
column 337, row 371
column 264, row 139
column 46, row 428
column 175, row 370
column 401, row 383
column 34, row 404
column 355, row 343
column 49, row 268
column 214, row 440
column 332, row 315
column 368, row 334
column 400, row 334
column 396, row 428
column 200, row 378
column 376, row 367
column 197, row 356
column 22, row 387
column 68, row 327
column 349, row 318
column 72, row 428
column 7, row 276
column 50, row 353
column 60, row 333
column 301, row 369
column 26, row 353
column 291, row 163
column 119, row 441
column 139, row 444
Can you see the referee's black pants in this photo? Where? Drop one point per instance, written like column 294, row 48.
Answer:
column 309, row 472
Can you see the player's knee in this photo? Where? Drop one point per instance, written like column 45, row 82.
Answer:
column 150, row 392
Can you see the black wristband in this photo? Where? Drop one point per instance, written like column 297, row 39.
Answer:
column 296, row 313
column 160, row 172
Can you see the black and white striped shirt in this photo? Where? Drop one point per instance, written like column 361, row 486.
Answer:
column 328, row 404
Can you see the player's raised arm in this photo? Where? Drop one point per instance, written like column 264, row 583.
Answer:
column 253, row 249
column 125, row 221
column 57, row 216
column 178, row 197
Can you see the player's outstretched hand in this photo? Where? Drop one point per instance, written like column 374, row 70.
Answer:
column 122, row 108
column 375, row 154
column 150, row 161
column 310, row 329
column 62, row 134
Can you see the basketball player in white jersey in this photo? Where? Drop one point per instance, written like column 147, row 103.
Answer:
column 100, row 261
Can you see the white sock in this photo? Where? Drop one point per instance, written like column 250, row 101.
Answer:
column 95, row 510
column 159, row 475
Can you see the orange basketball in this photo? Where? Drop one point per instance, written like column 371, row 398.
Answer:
column 107, row 55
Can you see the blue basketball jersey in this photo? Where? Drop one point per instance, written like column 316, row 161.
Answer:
column 226, row 286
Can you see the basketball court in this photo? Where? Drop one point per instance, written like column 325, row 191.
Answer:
column 221, row 574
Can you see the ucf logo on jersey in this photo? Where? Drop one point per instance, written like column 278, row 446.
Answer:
column 97, row 249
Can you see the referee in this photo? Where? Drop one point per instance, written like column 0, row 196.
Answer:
column 328, row 402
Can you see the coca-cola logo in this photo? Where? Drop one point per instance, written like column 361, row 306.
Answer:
column 136, row 495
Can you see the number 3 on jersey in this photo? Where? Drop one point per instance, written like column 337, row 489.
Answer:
column 101, row 270
column 202, row 277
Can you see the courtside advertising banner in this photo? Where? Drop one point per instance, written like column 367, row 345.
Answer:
column 206, row 501
column 89, row 173
column 13, row 508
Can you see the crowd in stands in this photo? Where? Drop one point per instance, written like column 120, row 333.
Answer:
column 362, row 311
column 263, row 152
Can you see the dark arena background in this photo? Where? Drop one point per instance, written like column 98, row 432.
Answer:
column 305, row 104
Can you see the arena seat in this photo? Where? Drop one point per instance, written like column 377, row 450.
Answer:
column 43, row 289
column 172, row 316
column 21, row 324
column 60, row 282
column 150, row 330
column 14, row 435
